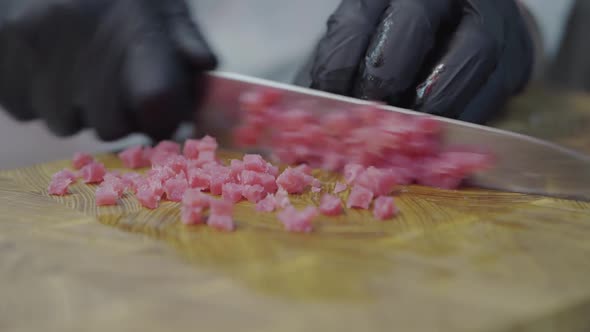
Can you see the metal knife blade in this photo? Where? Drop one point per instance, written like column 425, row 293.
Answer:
column 524, row 164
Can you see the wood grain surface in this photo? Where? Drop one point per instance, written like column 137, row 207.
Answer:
column 469, row 260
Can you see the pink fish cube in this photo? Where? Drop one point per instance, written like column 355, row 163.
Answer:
column 60, row 182
column 81, row 159
column 359, row 197
column 191, row 215
column 298, row 221
column 195, row 198
column 330, row 205
column 384, row 208
column 253, row 193
column 232, row 192
column 93, row 172
column 221, row 223
column 106, row 195
column 268, row 204
column 175, row 188
column 198, row 178
column 134, row 157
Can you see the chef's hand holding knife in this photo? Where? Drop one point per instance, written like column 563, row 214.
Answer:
column 455, row 58
column 115, row 66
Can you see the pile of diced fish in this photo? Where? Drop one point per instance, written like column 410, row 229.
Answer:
column 374, row 151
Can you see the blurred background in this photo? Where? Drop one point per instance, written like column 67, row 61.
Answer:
column 271, row 39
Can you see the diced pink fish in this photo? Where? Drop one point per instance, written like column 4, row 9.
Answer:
column 298, row 221
column 81, row 159
column 60, row 182
column 232, row 192
column 360, row 198
column 253, row 193
column 106, row 195
column 268, row 204
column 93, row 172
column 330, row 205
column 384, row 208
column 191, row 215
column 134, row 157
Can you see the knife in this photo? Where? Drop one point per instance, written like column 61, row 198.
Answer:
column 523, row 164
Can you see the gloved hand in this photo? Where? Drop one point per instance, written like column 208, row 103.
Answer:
column 455, row 58
column 116, row 66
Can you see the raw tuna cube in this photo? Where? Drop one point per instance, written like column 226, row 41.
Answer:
column 340, row 187
column 60, row 182
column 268, row 204
column 316, row 189
column 93, row 172
column 131, row 180
column 168, row 147
column 282, row 199
column 255, row 162
column 161, row 173
column 206, row 156
column 380, row 182
column 217, row 181
column 207, row 143
column 232, row 192
column 221, row 207
column 221, row 223
column 190, row 215
column 177, row 164
column 115, row 183
column 148, row 197
column 134, row 157
column 359, row 197
column 298, row 221
column 65, row 174
column 253, row 178
column 160, row 158
column 81, row 159
column 191, row 148
column 384, row 208
column 198, row 178
column 236, row 167
column 175, row 188
column 352, row 171
column 195, row 198
column 294, row 181
column 106, row 195
column 330, row 205
column 253, row 193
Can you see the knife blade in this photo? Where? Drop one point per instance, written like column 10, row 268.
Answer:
column 523, row 164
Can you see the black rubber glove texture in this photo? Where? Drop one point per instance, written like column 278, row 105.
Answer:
column 115, row 66
column 455, row 58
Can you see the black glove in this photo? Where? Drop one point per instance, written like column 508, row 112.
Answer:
column 117, row 66
column 455, row 58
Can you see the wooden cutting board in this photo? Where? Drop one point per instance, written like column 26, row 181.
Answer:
column 468, row 260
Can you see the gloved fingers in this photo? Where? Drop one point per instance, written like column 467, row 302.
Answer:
column 158, row 85
column 489, row 100
column 344, row 45
column 404, row 37
column 471, row 57
column 186, row 35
